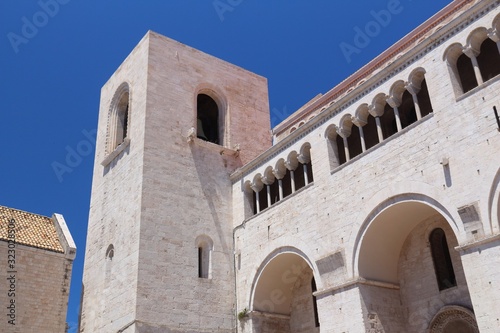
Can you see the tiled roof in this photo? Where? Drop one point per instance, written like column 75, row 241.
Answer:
column 30, row 229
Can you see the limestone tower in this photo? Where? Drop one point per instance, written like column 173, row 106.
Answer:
column 174, row 123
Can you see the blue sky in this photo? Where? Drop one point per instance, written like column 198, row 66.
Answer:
column 56, row 54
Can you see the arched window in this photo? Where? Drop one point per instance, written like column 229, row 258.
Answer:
column 287, row 183
column 370, row 132
column 122, row 119
column 424, row 100
column 388, row 122
column 466, row 73
column 443, row 266
column 489, row 59
column 340, row 149
column 207, row 127
column 407, row 113
column 118, row 123
column 354, row 142
column 110, row 252
column 334, row 150
column 204, row 245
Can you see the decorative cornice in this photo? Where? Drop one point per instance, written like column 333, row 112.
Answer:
column 332, row 107
column 384, row 59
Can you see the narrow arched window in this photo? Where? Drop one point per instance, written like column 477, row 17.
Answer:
column 443, row 266
column 340, row 149
column 370, row 132
column 121, row 124
column 110, row 252
column 354, row 142
column 388, row 122
column 119, row 119
column 424, row 100
column 287, row 183
column 489, row 59
column 466, row 73
column 204, row 246
column 315, row 303
column 207, row 126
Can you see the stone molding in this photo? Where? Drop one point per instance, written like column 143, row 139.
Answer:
column 449, row 314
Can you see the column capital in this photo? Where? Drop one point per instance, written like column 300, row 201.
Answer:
column 343, row 133
column 376, row 109
column 304, row 159
column 412, row 88
column 359, row 122
column 257, row 185
column 268, row 180
column 279, row 174
column 291, row 165
column 393, row 101
column 494, row 35
column 470, row 51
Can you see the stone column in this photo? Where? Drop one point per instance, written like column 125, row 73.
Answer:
column 292, row 165
column 395, row 102
column 377, row 110
column 360, row 123
column 494, row 36
column 472, row 54
column 268, row 180
column 414, row 90
column 304, row 159
column 257, row 186
column 279, row 174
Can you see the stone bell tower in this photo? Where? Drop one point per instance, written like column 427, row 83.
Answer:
column 174, row 123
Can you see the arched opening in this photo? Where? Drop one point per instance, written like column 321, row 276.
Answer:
column 445, row 275
column 388, row 122
column 122, row 119
column 118, row 122
column 339, row 141
column 207, row 126
column 249, row 199
column 489, row 59
column 336, row 154
column 395, row 258
column 407, row 112
column 370, row 132
column 274, row 188
column 354, row 142
column 204, row 245
column 283, row 296
column 110, row 252
column 466, row 73
column 287, row 183
column 424, row 100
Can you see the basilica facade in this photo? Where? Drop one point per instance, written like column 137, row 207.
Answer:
column 373, row 208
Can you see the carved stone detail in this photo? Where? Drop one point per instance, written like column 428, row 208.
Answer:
column 449, row 314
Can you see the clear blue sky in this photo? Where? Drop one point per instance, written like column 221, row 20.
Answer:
column 54, row 60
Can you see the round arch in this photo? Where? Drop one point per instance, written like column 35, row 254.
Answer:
column 273, row 280
column 418, row 196
column 220, row 100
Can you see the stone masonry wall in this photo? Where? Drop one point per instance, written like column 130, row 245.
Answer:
column 40, row 290
column 109, row 300
column 330, row 215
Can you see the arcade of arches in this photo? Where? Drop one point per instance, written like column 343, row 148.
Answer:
column 407, row 271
